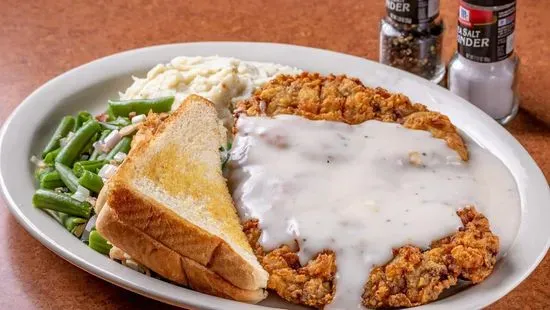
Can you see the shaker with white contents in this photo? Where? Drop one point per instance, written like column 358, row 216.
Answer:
column 484, row 68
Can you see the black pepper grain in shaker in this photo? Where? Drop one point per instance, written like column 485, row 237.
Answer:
column 411, row 40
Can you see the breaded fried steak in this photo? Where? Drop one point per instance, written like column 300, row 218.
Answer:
column 312, row 285
column 343, row 99
column 414, row 276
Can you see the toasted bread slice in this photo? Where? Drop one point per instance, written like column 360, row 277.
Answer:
column 167, row 262
column 171, row 192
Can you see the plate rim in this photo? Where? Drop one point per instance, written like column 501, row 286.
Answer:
column 204, row 300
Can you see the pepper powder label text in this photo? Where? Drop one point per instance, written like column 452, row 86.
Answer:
column 412, row 11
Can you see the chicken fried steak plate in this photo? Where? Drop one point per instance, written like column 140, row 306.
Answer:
column 349, row 195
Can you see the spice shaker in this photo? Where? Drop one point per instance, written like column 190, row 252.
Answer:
column 484, row 69
column 411, row 37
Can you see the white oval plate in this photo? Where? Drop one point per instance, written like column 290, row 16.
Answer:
column 89, row 86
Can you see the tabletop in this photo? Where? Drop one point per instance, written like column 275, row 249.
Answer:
column 41, row 39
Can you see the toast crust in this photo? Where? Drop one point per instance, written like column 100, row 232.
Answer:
column 183, row 237
column 168, row 263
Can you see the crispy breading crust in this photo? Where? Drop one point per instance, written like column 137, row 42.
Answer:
column 343, row 99
column 414, row 277
column 312, row 285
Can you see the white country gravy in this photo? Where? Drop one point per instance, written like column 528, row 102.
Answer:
column 361, row 190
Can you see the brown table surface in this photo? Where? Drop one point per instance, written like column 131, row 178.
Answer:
column 43, row 38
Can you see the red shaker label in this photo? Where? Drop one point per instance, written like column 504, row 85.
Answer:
column 412, row 11
column 485, row 35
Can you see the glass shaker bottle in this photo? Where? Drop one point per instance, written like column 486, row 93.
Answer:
column 411, row 37
column 485, row 66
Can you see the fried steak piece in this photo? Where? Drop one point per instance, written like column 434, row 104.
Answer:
column 344, row 99
column 312, row 285
column 414, row 277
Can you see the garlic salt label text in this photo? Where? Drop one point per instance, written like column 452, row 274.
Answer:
column 485, row 36
column 412, row 11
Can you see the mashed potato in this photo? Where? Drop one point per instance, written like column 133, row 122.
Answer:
column 224, row 81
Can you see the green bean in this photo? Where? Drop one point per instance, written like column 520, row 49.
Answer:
column 75, row 225
column 81, row 118
column 89, row 165
column 66, row 174
column 140, row 106
column 64, row 127
column 71, row 151
column 104, row 135
column 91, row 181
column 50, row 157
column 122, row 146
column 110, row 114
column 51, row 180
column 89, row 148
column 98, row 243
column 50, row 200
column 40, row 171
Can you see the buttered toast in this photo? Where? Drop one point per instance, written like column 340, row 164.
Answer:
column 168, row 207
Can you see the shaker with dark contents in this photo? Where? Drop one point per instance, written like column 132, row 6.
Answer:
column 411, row 37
